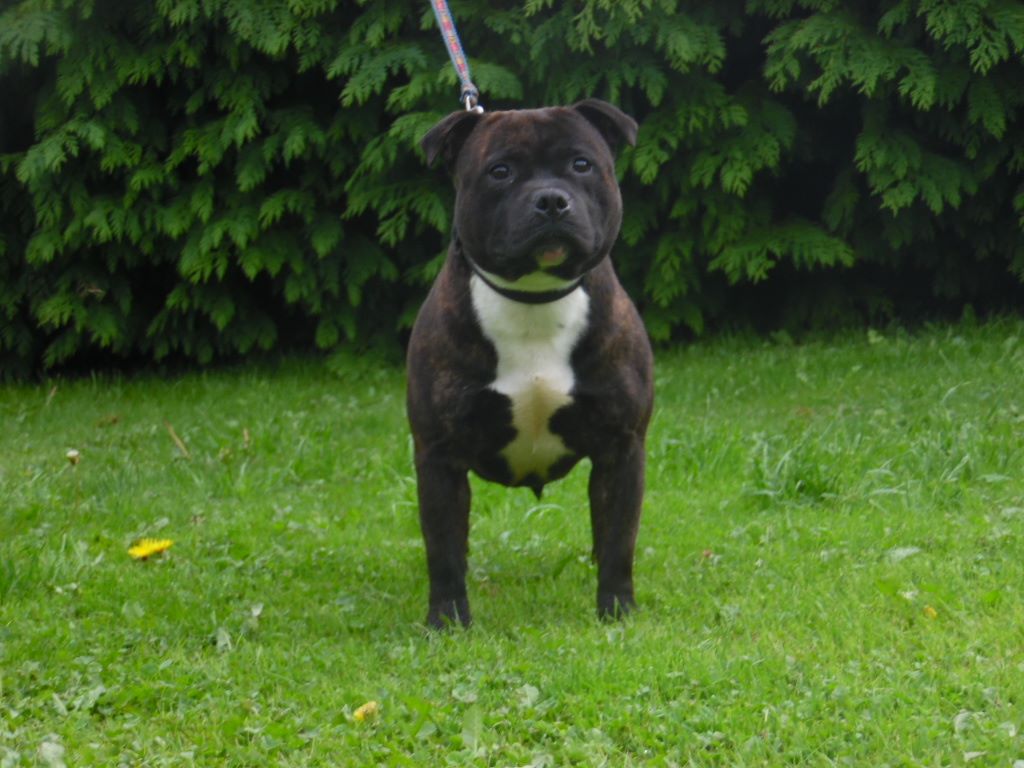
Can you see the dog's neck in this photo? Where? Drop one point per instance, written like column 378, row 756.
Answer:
column 519, row 293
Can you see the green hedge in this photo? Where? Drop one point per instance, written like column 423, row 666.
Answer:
column 202, row 178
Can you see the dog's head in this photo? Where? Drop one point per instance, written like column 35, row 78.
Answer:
column 537, row 201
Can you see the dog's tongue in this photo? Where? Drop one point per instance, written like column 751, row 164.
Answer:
column 551, row 257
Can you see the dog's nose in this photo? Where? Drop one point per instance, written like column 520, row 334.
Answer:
column 552, row 203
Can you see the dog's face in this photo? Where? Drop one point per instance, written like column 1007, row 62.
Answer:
column 536, row 193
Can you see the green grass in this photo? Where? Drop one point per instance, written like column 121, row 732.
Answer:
column 830, row 570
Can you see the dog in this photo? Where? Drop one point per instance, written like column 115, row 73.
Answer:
column 527, row 354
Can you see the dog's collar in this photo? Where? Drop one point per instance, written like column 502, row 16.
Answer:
column 526, row 297
column 523, row 297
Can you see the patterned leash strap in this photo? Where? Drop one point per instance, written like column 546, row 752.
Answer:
column 469, row 95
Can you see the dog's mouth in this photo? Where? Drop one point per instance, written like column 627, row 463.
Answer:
column 559, row 252
column 551, row 256
column 554, row 257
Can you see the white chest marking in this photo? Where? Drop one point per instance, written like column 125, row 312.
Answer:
column 534, row 343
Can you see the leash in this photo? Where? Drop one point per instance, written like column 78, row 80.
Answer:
column 469, row 95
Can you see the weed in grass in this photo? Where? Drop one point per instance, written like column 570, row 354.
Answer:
column 787, row 470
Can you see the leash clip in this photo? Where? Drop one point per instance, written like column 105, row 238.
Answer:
column 470, row 97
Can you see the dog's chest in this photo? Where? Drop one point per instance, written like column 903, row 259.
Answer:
column 534, row 344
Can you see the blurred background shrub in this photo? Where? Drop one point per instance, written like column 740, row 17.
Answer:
column 198, row 179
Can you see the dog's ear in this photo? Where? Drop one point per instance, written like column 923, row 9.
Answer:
column 446, row 138
column 616, row 126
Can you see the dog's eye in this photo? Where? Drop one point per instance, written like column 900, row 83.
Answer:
column 499, row 171
column 581, row 165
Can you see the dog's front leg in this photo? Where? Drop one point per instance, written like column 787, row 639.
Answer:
column 444, row 519
column 616, row 496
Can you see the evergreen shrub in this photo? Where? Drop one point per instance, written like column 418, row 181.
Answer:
column 202, row 178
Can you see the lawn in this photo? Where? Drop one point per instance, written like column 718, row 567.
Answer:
column 830, row 572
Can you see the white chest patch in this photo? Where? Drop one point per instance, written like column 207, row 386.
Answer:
column 534, row 343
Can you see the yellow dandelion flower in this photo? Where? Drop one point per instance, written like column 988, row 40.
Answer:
column 930, row 612
column 368, row 711
column 148, row 547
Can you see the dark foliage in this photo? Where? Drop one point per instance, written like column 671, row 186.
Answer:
column 201, row 178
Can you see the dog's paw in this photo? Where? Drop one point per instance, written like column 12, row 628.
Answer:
column 449, row 613
column 612, row 606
